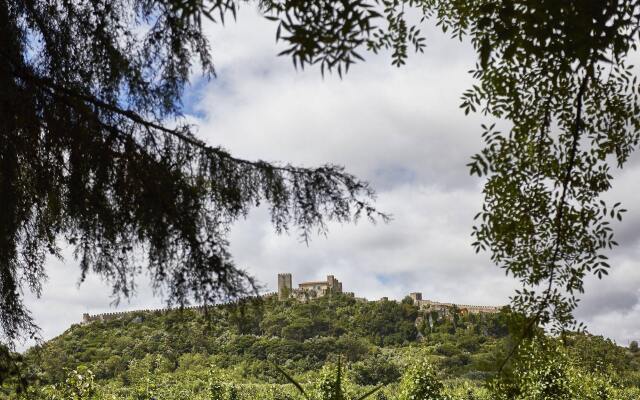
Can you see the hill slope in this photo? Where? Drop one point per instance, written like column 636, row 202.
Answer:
column 246, row 340
column 300, row 335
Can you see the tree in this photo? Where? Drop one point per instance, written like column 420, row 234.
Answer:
column 555, row 75
column 14, row 377
column 545, row 370
column 420, row 382
column 375, row 370
column 570, row 97
column 78, row 385
column 91, row 153
column 330, row 385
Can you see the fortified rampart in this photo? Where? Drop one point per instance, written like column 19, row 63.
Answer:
column 304, row 292
column 310, row 290
column 87, row 318
column 437, row 306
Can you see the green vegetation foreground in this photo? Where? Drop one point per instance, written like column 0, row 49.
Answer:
column 252, row 350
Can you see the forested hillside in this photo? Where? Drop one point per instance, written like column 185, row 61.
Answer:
column 145, row 354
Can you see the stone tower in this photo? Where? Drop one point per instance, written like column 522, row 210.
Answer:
column 333, row 285
column 416, row 296
column 284, row 286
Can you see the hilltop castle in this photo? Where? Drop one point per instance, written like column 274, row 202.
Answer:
column 315, row 289
column 307, row 290
column 312, row 290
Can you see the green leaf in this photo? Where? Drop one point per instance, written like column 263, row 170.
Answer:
column 291, row 380
column 370, row 392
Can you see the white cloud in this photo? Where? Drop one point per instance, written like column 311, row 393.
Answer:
column 426, row 248
column 402, row 130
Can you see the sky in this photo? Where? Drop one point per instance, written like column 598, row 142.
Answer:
column 402, row 130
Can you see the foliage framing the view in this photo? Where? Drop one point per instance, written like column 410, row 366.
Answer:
column 557, row 72
column 555, row 75
column 91, row 153
column 90, row 86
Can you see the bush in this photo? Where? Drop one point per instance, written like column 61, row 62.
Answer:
column 448, row 350
column 78, row 385
column 378, row 369
column 544, row 371
column 421, row 383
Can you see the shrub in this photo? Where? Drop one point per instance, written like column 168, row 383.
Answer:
column 421, row 383
column 375, row 370
column 542, row 371
column 78, row 385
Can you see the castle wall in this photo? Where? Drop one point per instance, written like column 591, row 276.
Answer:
column 88, row 318
column 473, row 309
column 307, row 291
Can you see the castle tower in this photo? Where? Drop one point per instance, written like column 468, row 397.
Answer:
column 416, row 296
column 284, row 286
column 333, row 285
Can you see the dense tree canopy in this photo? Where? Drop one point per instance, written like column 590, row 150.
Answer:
column 92, row 152
column 168, row 354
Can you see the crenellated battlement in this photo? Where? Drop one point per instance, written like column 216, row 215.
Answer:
column 86, row 317
column 108, row 316
column 305, row 291
column 314, row 289
column 438, row 306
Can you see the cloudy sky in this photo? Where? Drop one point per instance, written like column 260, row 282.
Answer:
column 400, row 129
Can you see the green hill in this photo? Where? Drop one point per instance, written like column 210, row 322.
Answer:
column 244, row 342
column 301, row 336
